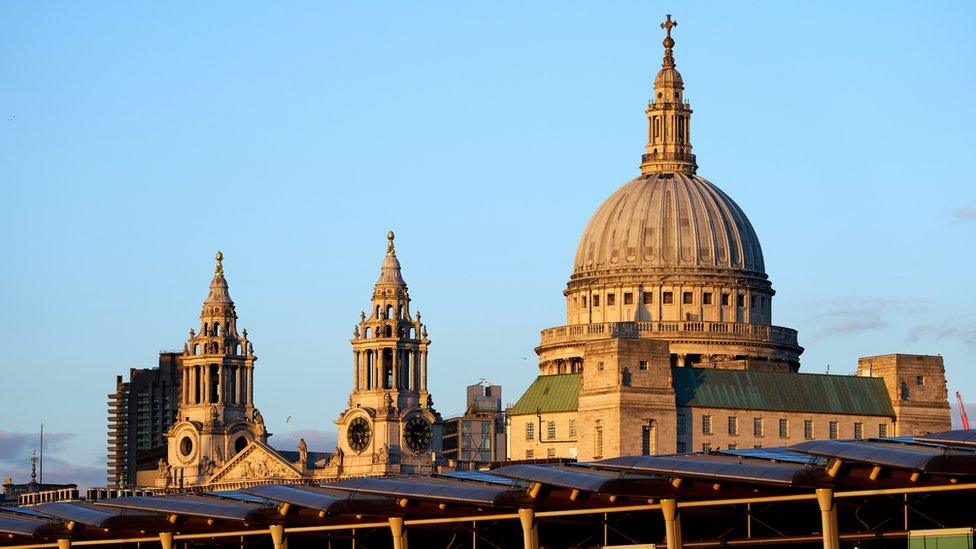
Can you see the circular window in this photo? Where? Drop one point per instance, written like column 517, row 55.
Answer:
column 186, row 446
column 239, row 444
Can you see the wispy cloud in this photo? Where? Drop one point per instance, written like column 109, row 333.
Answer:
column 852, row 315
column 946, row 330
column 15, row 454
column 963, row 212
column 318, row 441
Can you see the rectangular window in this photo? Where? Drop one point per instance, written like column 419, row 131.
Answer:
column 706, row 447
column 642, row 365
column 733, row 446
column 858, row 430
column 682, row 447
column 919, row 380
column 707, row 298
column 758, row 427
column 530, row 431
column 551, row 453
column 682, row 427
column 784, row 428
column 628, row 298
column 596, row 301
column 733, row 425
column 687, row 298
column 611, row 300
column 530, row 454
column 584, row 301
column 645, row 440
column 572, row 428
column 599, row 366
column 706, row 425
column 551, row 430
column 668, row 298
column 808, row 429
column 648, row 298
column 832, row 429
column 740, row 300
column 725, row 299
column 882, row 430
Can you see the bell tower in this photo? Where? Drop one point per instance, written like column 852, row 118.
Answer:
column 390, row 425
column 668, row 118
column 217, row 417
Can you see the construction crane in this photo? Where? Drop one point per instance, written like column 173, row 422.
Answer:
column 963, row 418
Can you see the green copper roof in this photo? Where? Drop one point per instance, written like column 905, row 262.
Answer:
column 781, row 391
column 547, row 394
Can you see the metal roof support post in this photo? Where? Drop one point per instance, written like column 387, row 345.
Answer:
column 399, row 533
column 828, row 518
column 278, row 536
column 166, row 540
column 530, row 528
column 64, row 543
column 672, row 523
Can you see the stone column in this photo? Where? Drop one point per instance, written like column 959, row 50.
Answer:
column 395, row 366
column 238, row 378
column 423, row 370
column 355, row 371
column 250, row 385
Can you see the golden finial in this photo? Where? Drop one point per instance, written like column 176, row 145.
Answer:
column 667, row 25
column 390, row 250
column 220, row 258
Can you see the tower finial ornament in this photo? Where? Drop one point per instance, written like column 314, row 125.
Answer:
column 667, row 25
column 220, row 258
column 390, row 250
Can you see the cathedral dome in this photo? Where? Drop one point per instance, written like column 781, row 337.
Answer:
column 668, row 221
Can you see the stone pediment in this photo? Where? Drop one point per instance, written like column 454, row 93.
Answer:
column 256, row 462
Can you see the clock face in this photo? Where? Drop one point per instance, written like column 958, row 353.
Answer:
column 358, row 434
column 417, row 433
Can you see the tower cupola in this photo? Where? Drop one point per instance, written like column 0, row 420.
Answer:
column 668, row 118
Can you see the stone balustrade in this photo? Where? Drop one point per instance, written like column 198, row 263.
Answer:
column 665, row 329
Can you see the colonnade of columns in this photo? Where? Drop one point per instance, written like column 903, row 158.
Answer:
column 233, row 383
column 408, row 369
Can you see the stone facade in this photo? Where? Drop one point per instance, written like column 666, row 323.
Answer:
column 669, row 273
column 706, row 429
column 917, row 388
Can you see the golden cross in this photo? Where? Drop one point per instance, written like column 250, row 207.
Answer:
column 668, row 25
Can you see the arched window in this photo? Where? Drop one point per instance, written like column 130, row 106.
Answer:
column 388, row 331
column 366, row 333
column 626, row 377
column 411, row 333
column 904, row 391
column 400, row 311
column 389, row 311
column 206, row 328
column 196, row 349
column 377, row 317
column 216, row 328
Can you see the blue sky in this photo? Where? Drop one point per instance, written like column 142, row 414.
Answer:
column 137, row 139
